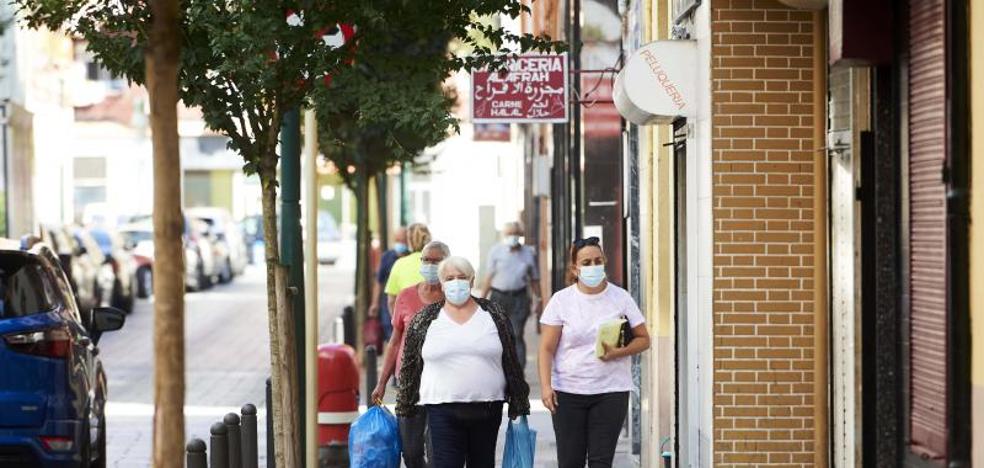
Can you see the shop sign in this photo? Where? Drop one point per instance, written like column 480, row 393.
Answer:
column 657, row 84
column 531, row 88
column 492, row 132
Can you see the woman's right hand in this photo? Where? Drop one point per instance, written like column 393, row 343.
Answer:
column 549, row 397
column 379, row 392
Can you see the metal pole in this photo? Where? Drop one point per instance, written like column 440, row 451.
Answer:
column 196, row 454
column 311, row 286
column 290, row 242
column 234, row 439
column 371, row 374
column 271, row 457
column 219, row 446
column 404, row 194
column 382, row 196
column 250, row 454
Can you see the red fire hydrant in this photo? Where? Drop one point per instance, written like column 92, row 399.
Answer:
column 338, row 402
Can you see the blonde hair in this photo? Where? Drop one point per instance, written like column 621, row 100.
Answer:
column 458, row 263
column 417, row 236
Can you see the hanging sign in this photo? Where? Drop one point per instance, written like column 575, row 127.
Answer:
column 657, row 83
column 531, row 88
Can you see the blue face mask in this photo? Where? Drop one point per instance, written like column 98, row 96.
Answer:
column 429, row 272
column 592, row 275
column 400, row 248
column 457, row 291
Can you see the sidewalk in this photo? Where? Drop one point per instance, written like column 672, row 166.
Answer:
column 539, row 419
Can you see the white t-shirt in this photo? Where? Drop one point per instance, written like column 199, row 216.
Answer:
column 462, row 362
column 576, row 369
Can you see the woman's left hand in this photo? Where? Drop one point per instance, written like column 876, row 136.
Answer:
column 611, row 353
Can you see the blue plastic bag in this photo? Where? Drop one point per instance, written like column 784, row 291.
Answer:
column 374, row 440
column 520, row 445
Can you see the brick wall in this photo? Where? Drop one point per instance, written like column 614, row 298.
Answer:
column 763, row 150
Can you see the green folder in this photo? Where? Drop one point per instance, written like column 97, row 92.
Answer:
column 609, row 333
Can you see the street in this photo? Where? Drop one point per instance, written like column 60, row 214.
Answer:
column 227, row 359
column 226, row 355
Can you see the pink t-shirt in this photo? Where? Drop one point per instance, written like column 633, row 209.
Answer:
column 407, row 305
column 576, row 369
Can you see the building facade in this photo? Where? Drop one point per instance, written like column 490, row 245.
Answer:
column 807, row 244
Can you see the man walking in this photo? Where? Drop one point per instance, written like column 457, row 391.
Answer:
column 511, row 275
column 389, row 257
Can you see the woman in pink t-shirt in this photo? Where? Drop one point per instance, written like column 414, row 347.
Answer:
column 587, row 395
column 410, row 301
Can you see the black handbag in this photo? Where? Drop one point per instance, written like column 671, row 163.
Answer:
column 625, row 336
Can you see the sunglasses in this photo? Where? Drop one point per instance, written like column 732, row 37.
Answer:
column 582, row 243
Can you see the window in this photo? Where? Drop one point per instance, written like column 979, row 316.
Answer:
column 24, row 288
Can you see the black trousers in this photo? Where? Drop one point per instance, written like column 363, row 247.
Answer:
column 587, row 428
column 517, row 306
column 463, row 433
column 413, row 440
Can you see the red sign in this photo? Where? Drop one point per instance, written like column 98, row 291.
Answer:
column 532, row 88
column 599, row 117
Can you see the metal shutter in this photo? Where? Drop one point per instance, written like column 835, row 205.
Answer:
column 928, row 253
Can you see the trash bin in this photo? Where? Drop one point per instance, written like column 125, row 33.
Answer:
column 338, row 402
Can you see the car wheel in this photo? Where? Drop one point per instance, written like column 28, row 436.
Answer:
column 131, row 297
column 145, row 282
column 204, row 281
column 226, row 275
column 85, row 448
column 101, row 445
column 122, row 299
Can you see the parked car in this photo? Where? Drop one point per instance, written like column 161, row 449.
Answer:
column 225, row 231
column 329, row 239
column 140, row 241
column 105, row 277
column 53, row 389
column 91, row 276
column 140, row 235
column 212, row 255
column 120, row 258
column 81, row 269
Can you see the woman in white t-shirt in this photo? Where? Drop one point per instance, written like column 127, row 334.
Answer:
column 587, row 395
column 460, row 366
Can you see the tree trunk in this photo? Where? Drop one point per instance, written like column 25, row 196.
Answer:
column 281, row 325
column 162, row 57
column 362, row 269
column 382, row 210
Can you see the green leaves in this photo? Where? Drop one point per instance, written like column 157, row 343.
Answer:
column 244, row 64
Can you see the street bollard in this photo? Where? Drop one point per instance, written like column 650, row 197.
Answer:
column 219, row 447
column 348, row 317
column 196, row 456
column 371, row 373
column 234, row 438
column 271, row 455
column 250, row 454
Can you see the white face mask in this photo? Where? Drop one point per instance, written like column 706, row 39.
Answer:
column 511, row 241
column 429, row 272
column 457, row 291
column 591, row 275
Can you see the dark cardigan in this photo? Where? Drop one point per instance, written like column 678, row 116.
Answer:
column 517, row 390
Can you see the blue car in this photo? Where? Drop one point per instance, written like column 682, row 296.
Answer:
column 52, row 384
